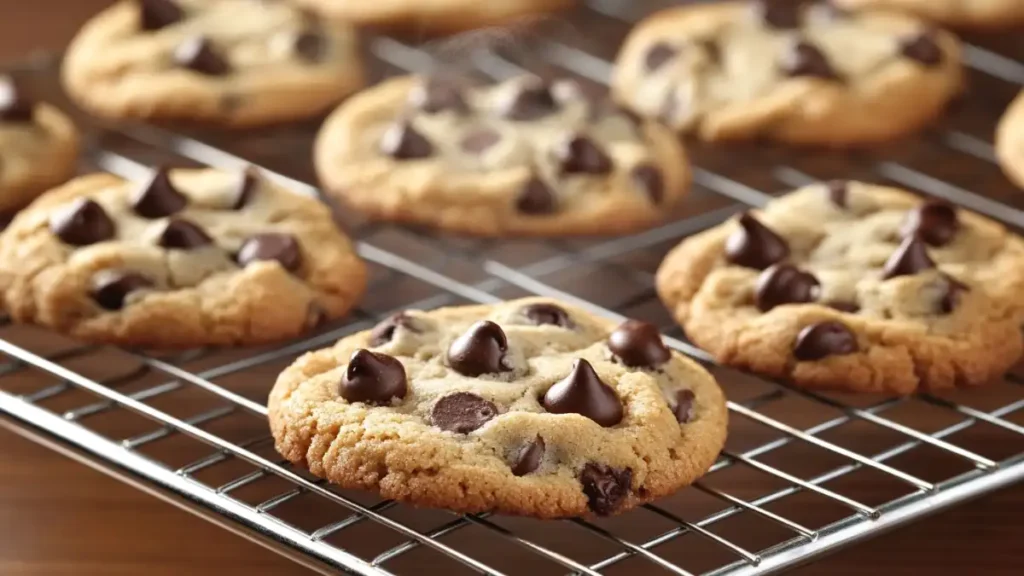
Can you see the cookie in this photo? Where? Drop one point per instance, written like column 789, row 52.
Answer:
column 436, row 16
column 187, row 258
column 796, row 72
column 954, row 13
column 38, row 146
column 528, row 407
column 852, row 286
column 1010, row 140
column 521, row 157
column 232, row 62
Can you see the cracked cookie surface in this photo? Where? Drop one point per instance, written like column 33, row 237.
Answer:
column 187, row 258
column 528, row 407
column 522, row 157
column 233, row 62
column 852, row 286
column 954, row 13
column 797, row 72
column 1010, row 140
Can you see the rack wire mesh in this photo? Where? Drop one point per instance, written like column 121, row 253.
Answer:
column 803, row 472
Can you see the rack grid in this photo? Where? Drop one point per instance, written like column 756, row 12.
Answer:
column 803, row 472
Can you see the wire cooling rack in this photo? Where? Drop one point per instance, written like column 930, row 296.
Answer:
column 802, row 474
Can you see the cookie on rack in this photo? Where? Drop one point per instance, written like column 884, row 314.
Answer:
column 796, row 72
column 528, row 407
column 852, row 286
column 38, row 146
column 520, row 157
column 231, row 62
column 185, row 259
column 437, row 16
column 952, row 13
column 1010, row 140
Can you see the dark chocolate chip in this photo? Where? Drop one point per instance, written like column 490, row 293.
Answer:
column 155, row 14
column 838, row 191
column 462, row 412
column 111, row 287
column 638, row 344
column 248, row 182
column 81, row 223
column 954, row 290
column 15, row 106
column 910, row 258
column 578, row 154
column 404, row 142
column 197, row 54
column 829, row 338
column 658, row 54
column 373, row 378
column 648, row 178
column 531, row 99
column 922, row 48
column 754, row 245
column 311, row 46
column 536, row 198
column 804, row 59
column 434, row 95
column 480, row 140
column 582, row 392
column 180, row 234
column 479, row 350
column 848, row 307
column 284, row 248
column 527, row 458
column 935, row 222
column 779, row 14
column 684, row 406
column 158, row 197
column 785, row 284
column 383, row 332
column 543, row 313
column 605, row 488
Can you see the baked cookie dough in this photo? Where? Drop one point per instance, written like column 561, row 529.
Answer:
column 529, row 407
column 522, row 157
column 233, row 62
column 436, row 16
column 953, row 13
column 1010, row 141
column 796, row 72
column 185, row 259
column 851, row 286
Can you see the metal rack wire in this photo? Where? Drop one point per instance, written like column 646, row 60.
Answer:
column 803, row 473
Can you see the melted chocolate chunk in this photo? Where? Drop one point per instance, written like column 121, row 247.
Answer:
column 536, row 198
column 15, row 106
column 532, row 99
column 180, row 234
column 805, row 59
column 910, row 258
column 434, row 95
column 785, row 284
column 754, row 245
column 111, row 287
column 578, row 154
column 284, row 248
column 156, row 14
column 838, row 191
column 649, row 179
column 373, row 378
column 829, row 338
column 311, row 46
column 954, row 290
column 158, row 198
column 606, row 488
column 543, row 313
column 480, row 350
column 684, row 406
column 480, row 140
column 638, row 344
column 658, row 54
column 81, row 223
column 403, row 142
column 462, row 412
column 383, row 332
column 197, row 54
column 527, row 459
column 935, row 222
column 779, row 14
column 923, row 49
column 582, row 392
column 248, row 182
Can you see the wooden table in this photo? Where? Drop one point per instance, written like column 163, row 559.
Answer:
column 58, row 517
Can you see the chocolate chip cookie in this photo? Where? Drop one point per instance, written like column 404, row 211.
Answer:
column 38, row 146
column 436, row 16
column 954, row 13
column 529, row 407
column 521, row 157
column 234, row 62
column 794, row 71
column 1010, row 140
column 852, row 286
column 187, row 258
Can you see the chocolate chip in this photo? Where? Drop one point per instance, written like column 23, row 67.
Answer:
column 384, row 332
column 531, row 99
column 155, row 14
column 638, row 344
column 403, row 142
column 649, row 179
column 284, row 248
column 373, row 378
column 181, row 234
column 829, row 338
column 922, row 48
column 479, row 350
column 838, row 191
column 248, row 182
column 954, row 290
column 197, row 54
column 848, row 307
column 480, row 140
column 81, row 223
column 779, row 14
column 527, row 458
column 582, row 392
column 910, row 258
column 804, row 59
column 543, row 313
column 935, row 222
column 158, row 197
column 606, row 488
column 578, row 154
column 434, row 95
column 462, row 412
column 536, row 198
column 14, row 105
column 754, row 245
column 111, row 287
column 684, row 406
column 658, row 54
column 785, row 284
column 311, row 46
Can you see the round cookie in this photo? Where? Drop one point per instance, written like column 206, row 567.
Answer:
column 529, row 407
column 188, row 258
column 521, row 157
column 1010, row 140
column 435, row 16
column 233, row 62
column 38, row 147
column 953, row 13
column 796, row 72
column 851, row 286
